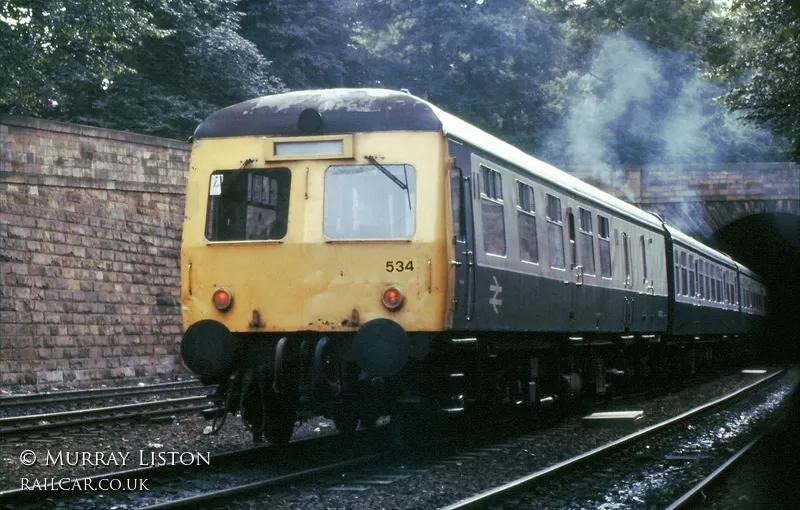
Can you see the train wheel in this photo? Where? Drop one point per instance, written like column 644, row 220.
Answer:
column 279, row 423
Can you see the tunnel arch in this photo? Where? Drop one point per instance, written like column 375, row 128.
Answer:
column 704, row 218
column 769, row 244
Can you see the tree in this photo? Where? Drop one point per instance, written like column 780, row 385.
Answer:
column 50, row 46
column 637, row 89
column 490, row 63
column 695, row 27
column 310, row 42
column 769, row 61
column 197, row 64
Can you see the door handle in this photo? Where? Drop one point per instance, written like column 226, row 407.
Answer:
column 455, row 263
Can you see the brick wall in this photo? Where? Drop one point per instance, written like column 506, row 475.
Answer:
column 701, row 199
column 90, row 225
column 661, row 184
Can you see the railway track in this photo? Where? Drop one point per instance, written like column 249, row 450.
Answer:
column 520, row 493
column 690, row 497
column 348, row 485
column 330, row 480
column 29, row 423
column 69, row 396
column 255, row 469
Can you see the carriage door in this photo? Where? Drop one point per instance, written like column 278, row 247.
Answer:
column 463, row 237
column 576, row 278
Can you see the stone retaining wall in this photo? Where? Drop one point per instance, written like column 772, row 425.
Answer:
column 90, row 226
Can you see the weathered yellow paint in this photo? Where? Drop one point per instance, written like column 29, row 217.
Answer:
column 306, row 282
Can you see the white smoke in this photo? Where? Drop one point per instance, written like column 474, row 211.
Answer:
column 639, row 107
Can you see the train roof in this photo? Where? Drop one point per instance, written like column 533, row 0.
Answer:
column 461, row 130
column 366, row 110
column 747, row 272
column 343, row 111
column 690, row 242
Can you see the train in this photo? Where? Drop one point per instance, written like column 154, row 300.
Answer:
column 358, row 253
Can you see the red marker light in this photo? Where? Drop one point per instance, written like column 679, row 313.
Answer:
column 222, row 299
column 392, row 298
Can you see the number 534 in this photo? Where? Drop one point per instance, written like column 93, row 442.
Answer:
column 399, row 266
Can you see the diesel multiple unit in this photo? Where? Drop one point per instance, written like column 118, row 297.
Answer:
column 359, row 252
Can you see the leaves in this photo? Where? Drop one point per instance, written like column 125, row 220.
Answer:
column 195, row 64
column 766, row 71
column 620, row 81
column 489, row 63
column 51, row 45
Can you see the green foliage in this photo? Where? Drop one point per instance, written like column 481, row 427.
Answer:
column 615, row 81
column 198, row 63
column 697, row 27
column 309, row 42
column 769, row 61
column 635, row 91
column 51, row 46
column 488, row 63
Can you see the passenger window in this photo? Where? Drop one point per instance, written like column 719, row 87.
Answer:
column 604, row 241
column 684, row 275
column 725, row 286
column 492, row 184
column 712, row 281
column 677, row 273
column 719, row 285
column 701, row 288
column 587, row 241
column 492, row 218
column 555, row 232
column 692, row 277
column 526, row 220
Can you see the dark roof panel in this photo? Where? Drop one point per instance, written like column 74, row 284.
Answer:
column 343, row 111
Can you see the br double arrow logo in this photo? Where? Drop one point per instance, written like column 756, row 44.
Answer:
column 495, row 300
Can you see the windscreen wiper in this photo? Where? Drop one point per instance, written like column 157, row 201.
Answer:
column 390, row 175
